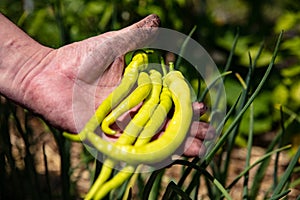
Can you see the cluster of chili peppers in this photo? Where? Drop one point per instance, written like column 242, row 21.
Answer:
column 159, row 91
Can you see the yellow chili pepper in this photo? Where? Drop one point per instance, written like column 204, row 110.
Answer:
column 164, row 146
column 136, row 97
column 139, row 62
column 128, row 137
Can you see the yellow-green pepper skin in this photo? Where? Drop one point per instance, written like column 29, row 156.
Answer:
column 106, row 170
column 158, row 118
column 169, row 141
column 134, row 146
column 138, row 122
column 115, row 182
column 139, row 63
column 128, row 137
column 136, row 97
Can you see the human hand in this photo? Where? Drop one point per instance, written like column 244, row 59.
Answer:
column 70, row 82
column 66, row 85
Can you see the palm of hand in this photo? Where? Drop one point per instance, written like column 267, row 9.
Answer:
column 66, row 96
column 70, row 82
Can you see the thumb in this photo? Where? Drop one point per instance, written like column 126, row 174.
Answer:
column 105, row 48
column 141, row 32
column 135, row 36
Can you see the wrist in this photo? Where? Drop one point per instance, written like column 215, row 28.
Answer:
column 19, row 56
column 18, row 67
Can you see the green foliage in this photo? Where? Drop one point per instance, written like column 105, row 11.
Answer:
column 284, row 87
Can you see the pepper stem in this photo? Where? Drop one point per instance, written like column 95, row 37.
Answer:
column 171, row 66
column 163, row 66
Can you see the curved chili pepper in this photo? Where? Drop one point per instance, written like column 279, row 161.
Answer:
column 138, row 122
column 166, row 103
column 157, row 119
column 136, row 97
column 128, row 137
column 115, row 182
column 139, row 62
column 159, row 115
column 172, row 138
column 131, row 131
column 103, row 176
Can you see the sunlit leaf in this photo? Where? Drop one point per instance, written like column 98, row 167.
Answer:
column 280, row 94
column 287, row 21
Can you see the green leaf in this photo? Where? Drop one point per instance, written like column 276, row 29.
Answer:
column 287, row 21
column 248, row 168
column 287, row 174
column 263, row 60
column 172, row 187
column 225, row 135
column 291, row 71
column 280, row 95
column 295, row 93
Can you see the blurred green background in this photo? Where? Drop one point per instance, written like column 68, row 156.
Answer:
column 58, row 22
